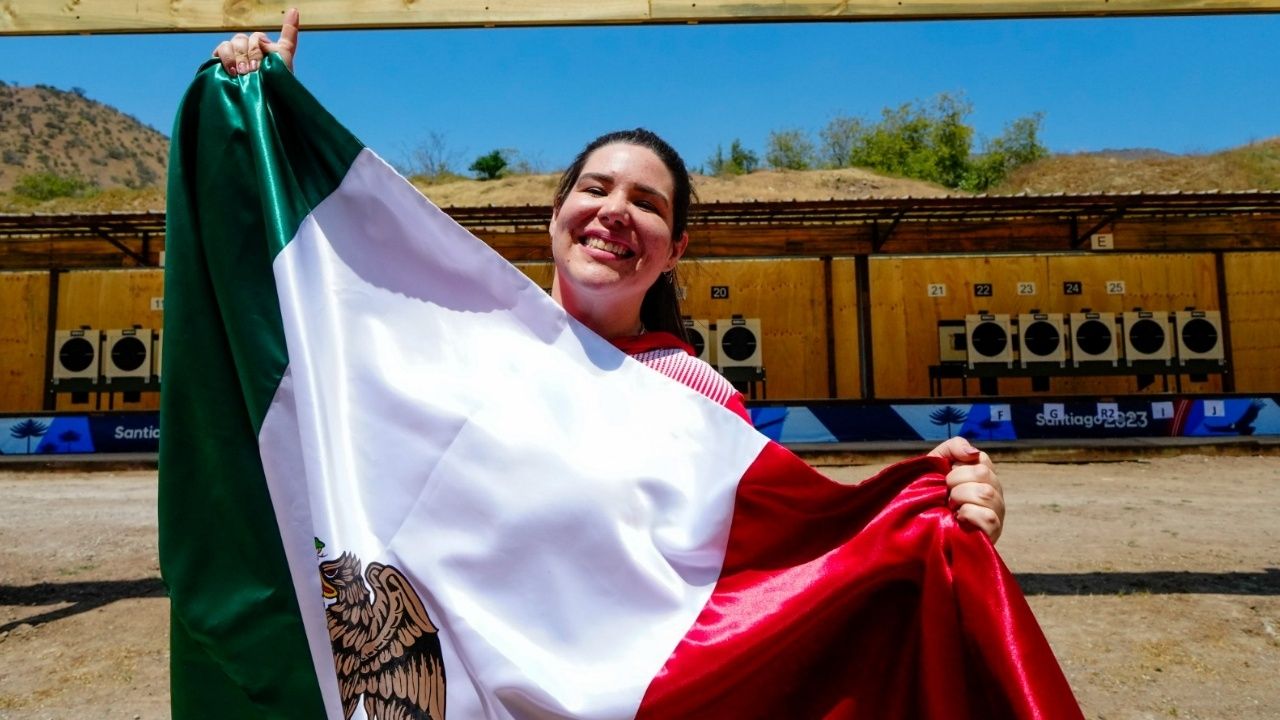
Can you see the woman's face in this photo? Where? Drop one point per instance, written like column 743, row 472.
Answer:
column 611, row 237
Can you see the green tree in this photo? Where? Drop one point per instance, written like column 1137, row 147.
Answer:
column 839, row 137
column 790, row 150
column 739, row 161
column 490, row 166
column 919, row 140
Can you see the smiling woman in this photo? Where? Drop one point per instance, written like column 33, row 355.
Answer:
column 617, row 231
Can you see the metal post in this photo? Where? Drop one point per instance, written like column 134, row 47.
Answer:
column 829, row 292
column 51, row 325
column 1228, row 377
column 866, row 366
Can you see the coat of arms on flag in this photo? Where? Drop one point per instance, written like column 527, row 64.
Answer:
column 384, row 646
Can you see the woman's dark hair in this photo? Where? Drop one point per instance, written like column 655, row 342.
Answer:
column 660, row 309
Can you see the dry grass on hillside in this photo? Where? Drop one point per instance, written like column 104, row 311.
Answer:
column 765, row 185
column 1250, row 167
column 149, row 199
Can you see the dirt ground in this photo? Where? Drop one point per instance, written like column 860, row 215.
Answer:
column 1157, row 583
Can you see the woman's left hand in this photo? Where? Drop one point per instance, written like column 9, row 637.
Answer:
column 975, row 492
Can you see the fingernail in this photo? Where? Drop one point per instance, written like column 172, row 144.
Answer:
column 253, row 65
column 240, row 67
column 969, row 449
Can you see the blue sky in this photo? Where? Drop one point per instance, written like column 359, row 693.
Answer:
column 1189, row 84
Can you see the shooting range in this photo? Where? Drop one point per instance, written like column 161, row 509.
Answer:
column 1114, row 351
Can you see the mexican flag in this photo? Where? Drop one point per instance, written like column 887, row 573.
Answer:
column 398, row 481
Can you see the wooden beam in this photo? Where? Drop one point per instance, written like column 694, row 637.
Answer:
column 43, row 17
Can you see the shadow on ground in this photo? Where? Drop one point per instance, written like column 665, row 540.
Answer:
column 86, row 596
column 83, row 596
column 1266, row 582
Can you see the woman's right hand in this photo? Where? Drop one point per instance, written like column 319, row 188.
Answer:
column 243, row 53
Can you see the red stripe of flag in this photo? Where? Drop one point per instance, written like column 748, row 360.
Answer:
column 865, row 601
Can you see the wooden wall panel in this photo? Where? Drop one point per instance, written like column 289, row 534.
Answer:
column 1253, row 302
column 23, row 337
column 788, row 295
column 44, row 17
column 844, row 303
column 109, row 300
column 905, row 317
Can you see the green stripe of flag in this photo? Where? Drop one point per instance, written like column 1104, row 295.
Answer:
column 249, row 159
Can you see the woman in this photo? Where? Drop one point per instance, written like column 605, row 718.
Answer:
column 618, row 229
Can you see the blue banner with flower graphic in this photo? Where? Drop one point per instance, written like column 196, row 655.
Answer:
column 1020, row 419
column 137, row 432
column 836, row 421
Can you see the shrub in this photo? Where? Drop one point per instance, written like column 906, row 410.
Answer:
column 490, row 166
column 144, row 174
column 49, row 185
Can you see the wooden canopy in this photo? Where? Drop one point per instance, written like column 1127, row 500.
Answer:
column 41, row 17
column 1138, row 222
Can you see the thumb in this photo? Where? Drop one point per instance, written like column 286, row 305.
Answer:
column 957, row 448
column 283, row 50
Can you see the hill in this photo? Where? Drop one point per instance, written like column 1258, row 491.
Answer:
column 1255, row 166
column 122, row 164
column 46, row 130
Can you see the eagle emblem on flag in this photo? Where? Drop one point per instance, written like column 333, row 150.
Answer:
column 385, row 649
